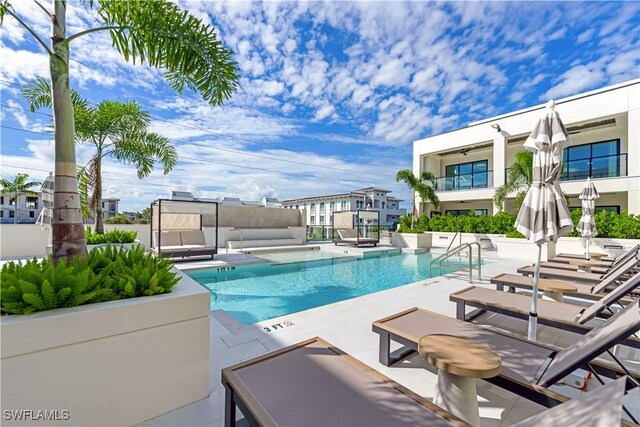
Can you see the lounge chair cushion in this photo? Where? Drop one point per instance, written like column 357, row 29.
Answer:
column 193, row 237
column 348, row 234
column 169, row 238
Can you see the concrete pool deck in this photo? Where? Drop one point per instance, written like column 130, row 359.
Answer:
column 347, row 324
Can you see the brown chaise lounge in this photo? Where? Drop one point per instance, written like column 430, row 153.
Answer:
column 630, row 266
column 528, row 368
column 314, row 383
column 569, row 317
column 182, row 244
column 583, row 290
column 634, row 250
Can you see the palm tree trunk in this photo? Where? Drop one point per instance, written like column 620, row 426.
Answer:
column 413, row 211
column 15, row 208
column 98, row 195
column 68, row 230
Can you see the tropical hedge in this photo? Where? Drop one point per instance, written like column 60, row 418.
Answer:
column 106, row 274
column 113, row 236
column 609, row 224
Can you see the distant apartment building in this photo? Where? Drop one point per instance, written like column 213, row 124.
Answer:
column 26, row 212
column 604, row 126
column 110, row 207
column 320, row 208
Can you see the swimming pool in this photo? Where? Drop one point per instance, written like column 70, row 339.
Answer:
column 254, row 293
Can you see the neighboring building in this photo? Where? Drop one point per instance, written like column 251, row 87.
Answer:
column 271, row 202
column 604, row 126
column 110, row 207
column 319, row 208
column 29, row 207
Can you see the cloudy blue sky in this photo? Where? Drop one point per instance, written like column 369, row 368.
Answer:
column 332, row 94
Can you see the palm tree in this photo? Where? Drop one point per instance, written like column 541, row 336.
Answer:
column 421, row 186
column 117, row 130
column 19, row 185
column 157, row 32
column 519, row 179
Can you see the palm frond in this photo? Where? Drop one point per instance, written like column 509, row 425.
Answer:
column 407, row 176
column 84, row 184
column 160, row 34
column 37, row 92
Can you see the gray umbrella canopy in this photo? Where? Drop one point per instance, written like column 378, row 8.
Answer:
column 587, row 224
column 47, row 202
column 544, row 214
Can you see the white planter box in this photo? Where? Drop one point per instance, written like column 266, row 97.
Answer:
column 509, row 248
column 443, row 239
column 412, row 240
column 578, row 245
column 115, row 363
column 119, row 245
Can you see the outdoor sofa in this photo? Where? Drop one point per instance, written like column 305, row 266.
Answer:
column 528, row 368
column 182, row 244
column 315, row 383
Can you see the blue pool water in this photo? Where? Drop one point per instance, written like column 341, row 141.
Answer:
column 255, row 293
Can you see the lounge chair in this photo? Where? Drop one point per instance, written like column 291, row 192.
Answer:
column 528, row 368
column 569, row 317
column 350, row 237
column 633, row 250
column 315, row 383
column 629, row 266
column 583, row 290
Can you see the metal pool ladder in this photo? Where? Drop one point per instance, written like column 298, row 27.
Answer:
column 227, row 239
column 456, row 250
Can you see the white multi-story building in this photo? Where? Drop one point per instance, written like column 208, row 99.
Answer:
column 604, row 125
column 319, row 208
column 28, row 208
column 110, row 207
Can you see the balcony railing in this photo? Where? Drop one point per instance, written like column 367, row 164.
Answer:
column 465, row 182
column 596, row 167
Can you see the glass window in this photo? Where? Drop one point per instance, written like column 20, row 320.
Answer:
column 12, row 214
column 464, row 176
column 32, row 203
column 322, row 207
column 31, row 214
column 1, row 200
column 1, row 214
column 321, row 219
column 312, row 220
column 313, row 207
column 12, row 201
column 332, row 206
column 596, row 160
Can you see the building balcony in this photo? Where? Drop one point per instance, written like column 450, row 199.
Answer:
column 470, row 181
column 613, row 166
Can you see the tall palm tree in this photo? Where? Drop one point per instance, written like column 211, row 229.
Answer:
column 19, row 185
column 519, row 179
column 157, row 32
column 420, row 185
column 117, row 130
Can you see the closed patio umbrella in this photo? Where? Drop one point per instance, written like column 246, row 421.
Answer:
column 544, row 214
column 587, row 224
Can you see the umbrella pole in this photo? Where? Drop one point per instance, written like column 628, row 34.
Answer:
column 533, row 314
column 587, row 254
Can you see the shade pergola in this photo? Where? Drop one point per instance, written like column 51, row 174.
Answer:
column 182, row 215
column 353, row 227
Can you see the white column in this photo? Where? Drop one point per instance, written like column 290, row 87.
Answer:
column 499, row 158
column 633, row 161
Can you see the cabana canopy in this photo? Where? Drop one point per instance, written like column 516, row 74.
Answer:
column 180, row 223
column 355, row 227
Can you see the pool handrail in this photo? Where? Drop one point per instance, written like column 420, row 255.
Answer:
column 454, row 251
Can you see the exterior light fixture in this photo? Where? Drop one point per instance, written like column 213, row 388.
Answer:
column 496, row 127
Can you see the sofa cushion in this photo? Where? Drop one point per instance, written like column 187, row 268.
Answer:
column 193, row 237
column 168, row 238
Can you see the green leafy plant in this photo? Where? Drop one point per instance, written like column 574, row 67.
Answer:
column 107, row 274
column 118, row 219
column 114, row 236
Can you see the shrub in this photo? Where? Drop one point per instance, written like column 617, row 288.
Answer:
column 106, row 274
column 118, row 219
column 114, row 236
column 609, row 224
